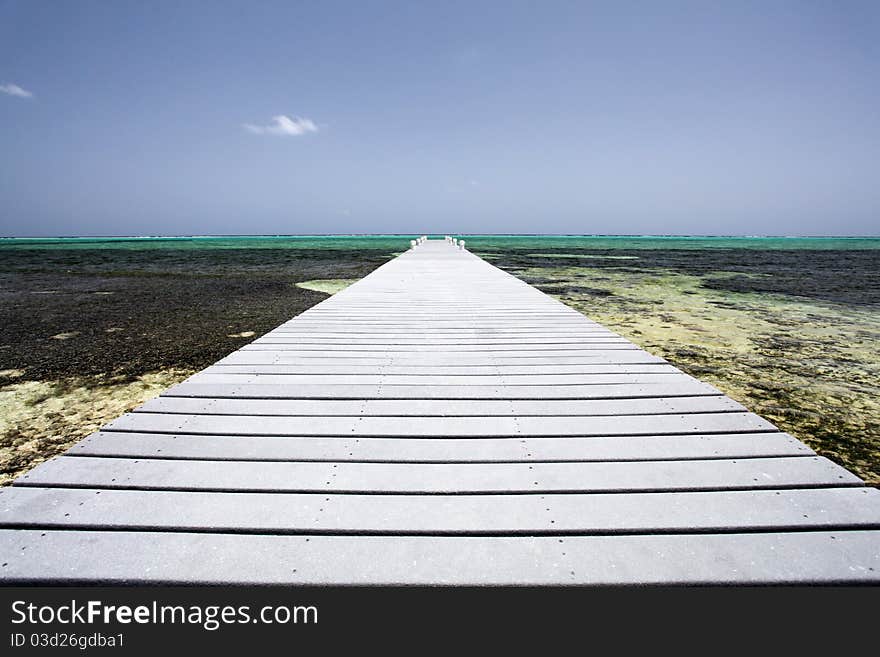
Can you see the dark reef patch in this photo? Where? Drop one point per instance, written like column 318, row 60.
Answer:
column 124, row 313
column 846, row 277
column 792, row 334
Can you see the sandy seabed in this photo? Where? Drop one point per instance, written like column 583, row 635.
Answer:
column 90, row 335
column 807, row 363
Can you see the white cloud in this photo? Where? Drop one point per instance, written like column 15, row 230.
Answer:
column 14, row 90
column 284, row 126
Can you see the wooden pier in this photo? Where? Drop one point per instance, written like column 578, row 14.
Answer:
column 440, row 422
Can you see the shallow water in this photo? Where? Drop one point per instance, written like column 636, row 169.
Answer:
column 792, row 335
column 477, row 242
column 787, row 326
column 90, row 333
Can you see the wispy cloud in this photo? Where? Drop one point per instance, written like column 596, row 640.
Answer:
column 284, row 126
column 14, row 90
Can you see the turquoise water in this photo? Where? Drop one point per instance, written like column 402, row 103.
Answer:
column 475, row 242
column 330, row 242
column 533, row 242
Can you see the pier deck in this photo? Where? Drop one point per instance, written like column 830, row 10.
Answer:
column 440, row 422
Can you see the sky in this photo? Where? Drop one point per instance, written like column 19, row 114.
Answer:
column 666, row 117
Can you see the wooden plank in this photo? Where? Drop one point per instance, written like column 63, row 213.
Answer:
column 440, row 309
column 380, row 310
column 355, row 331
column 583, row 425
column 442, row 333
column 435, row 353
column 403, row 325
column 292, row 513
column 439, row 450
column 376, row 307
column 487, row 312
column 533, row 349
column 446, row 359
column 342, row 391
column 442, row 370
column 456, row 342
column 439, row 408
column 448, row 381
column 471, row 335
column 447, row 478
column 372, row 305
column 822, row 557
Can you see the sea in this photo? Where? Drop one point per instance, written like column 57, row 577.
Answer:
column 393, row 243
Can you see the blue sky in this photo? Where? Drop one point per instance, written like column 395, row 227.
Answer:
column 555, row 117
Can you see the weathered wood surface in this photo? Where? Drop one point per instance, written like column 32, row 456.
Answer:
column 440, row 422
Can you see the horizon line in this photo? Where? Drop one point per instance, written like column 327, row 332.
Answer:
column 589, row 235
